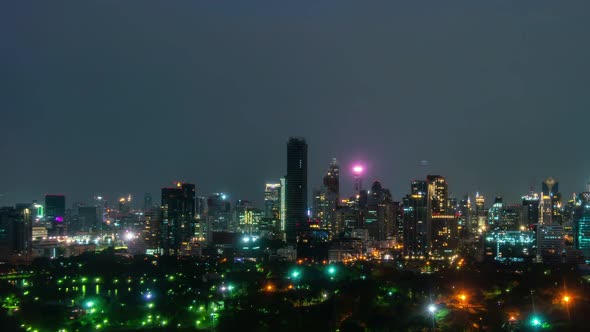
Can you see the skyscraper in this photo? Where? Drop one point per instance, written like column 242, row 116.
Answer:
column 272, row 201
column 16, row 232
column 582, row 225
column 380, row 213
column 415, row 210
column 178, row 211
column 332, row 179
column 325, row 200
column 442, row 230
column 55, row 214
column 530, row 207
column 550, row 201
column 296, row 191
column 55, row 208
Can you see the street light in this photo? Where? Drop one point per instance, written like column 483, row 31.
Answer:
column 432, row 310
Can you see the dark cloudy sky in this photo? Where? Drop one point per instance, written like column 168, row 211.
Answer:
column 118, row 96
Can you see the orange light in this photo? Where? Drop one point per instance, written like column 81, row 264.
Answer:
column 269, row 287
column 462, row 297
column 566, row 299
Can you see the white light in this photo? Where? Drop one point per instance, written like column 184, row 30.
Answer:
column 432, row 308
column 129, row 236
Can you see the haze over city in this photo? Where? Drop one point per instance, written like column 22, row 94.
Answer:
column 114, row 98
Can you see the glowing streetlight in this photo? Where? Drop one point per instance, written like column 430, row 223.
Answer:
column 432, row 308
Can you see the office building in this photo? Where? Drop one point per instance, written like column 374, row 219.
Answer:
column 415, row 214
column 178, row 211
column 296, row 187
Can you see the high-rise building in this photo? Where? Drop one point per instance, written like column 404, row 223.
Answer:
column 87, row 218
column 442, row 236
column 55, row 214
column 178, row 211
column 480, row 211
column 283, row 222
column 219, row 214
column 16, row 232
column 582, row 225
column 332, row 179
column 381, row 216
column 550, row 202
column 465, row 216
column 296, row 187
column 272, row 201
column 325, row 200
column 530, row 207
column 495, row 214
column 55, row 208
column 415, row 214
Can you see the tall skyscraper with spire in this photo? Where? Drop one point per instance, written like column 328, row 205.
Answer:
column 325, row 200
column 296, row 187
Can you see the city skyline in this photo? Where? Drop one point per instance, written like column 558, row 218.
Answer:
column 123, row 107
column 347, row 177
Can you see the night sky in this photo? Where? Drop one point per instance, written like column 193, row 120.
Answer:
column 117, row 97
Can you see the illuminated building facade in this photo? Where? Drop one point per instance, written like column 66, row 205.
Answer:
column 550, row 242
column 480, row 211
column 325, row 200
column 442, row 228
column 296, row 187
column 272, row 201
column 581, row 231
column 415, row 214
column 550, row 201
column 530, row 207
column 509, row 246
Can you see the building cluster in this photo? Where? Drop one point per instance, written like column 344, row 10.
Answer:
column 427, row 223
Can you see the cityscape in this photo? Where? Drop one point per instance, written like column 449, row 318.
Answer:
column 294, row 166
column 185, row 261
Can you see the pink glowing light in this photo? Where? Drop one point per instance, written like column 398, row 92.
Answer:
column 358, row 169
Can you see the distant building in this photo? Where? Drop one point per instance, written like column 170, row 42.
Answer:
column 87, row 218
column 509, row 246
column 272, row 201
column 480, row 211
column 530, row 207
column 551, row 202
column 148, row 203
column 550, row 242
column 16, row 232
column 219, row 214
column 296, row 187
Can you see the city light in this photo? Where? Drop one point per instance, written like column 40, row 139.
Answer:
column 432, row 308
column 357, row 169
